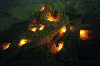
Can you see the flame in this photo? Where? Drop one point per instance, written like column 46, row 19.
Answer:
column 57, row 49
column 84, row 34
column 42, row 26
column 50, row 17
column 23, row 41
column 42, row 8
column 62, row 30
column 5, row 45
column 60, row 46
column 33, row 29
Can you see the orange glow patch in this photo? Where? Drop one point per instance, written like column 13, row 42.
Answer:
column 42, row 26
column 57, row 49
column 42, row 8
column 84, row 34
column 62, row 30
column 60, row 46
column 50, row 17
column 23, row 41
column 5, row 45
column 33, row 29
column 72, row 28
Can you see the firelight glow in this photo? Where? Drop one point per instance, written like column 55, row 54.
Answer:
column 62, row 30
column 23, row 41
column 50, row 17
column 84, row 34
column 60, row 46
column 33, row 29
column 42, row 26
column 42, row 8
column 55, row 49
column 5, row 45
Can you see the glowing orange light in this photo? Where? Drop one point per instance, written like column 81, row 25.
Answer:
column 60, row 46
column 23, row 41
column 55, row 49
column 42, row 8
column 72, row 28
column 84, row 34
column 33, row 29
column 5, row 45
column 50, row 17
column 42, row 26
column 62, row 30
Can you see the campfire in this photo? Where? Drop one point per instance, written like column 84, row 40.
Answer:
column 49, row 28
column 48, row 13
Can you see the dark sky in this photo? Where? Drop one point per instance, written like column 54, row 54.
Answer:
column 5, row 2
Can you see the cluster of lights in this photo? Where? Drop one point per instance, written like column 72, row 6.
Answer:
column 35, row 28
column 83, row 33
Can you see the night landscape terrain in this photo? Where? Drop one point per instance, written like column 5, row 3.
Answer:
column 48, row 33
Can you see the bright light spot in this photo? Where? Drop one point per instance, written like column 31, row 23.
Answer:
column 60, row 46
column 42, row 26
column 23, row 41
column 57, row 49
column 62, row 30
column 50, row 17
column 5, row 45
column 84, row 34
column 33, row 29
column 42, row 8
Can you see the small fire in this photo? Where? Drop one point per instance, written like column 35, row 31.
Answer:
column 62, row 30
column 60, row 46
column 23, row 41
column 42, row 26
column 33, row 29
column 5, row 45
column 55, row 49
column 42, row 8
column 50, row 17
column 84, row 34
